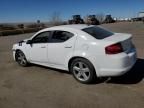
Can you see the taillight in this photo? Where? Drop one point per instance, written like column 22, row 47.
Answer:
column 114, row 49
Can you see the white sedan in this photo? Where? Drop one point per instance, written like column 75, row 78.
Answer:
column 87, row 51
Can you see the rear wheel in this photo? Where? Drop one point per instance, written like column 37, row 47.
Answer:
column 21, row 59
column 83, row 70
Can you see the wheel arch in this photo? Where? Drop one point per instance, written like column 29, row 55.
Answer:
column 17, row 51
column 76, row 57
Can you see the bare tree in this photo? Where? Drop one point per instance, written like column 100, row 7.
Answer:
column 100, row 17
column 55, row 19
column 86, row 18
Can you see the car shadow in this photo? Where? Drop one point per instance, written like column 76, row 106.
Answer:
column 134, row 76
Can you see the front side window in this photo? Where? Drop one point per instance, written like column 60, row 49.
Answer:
column 60, row 36
column 97, row 32
column 42, row 37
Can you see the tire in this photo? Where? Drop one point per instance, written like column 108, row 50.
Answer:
column 21, row 59
column 82, row 70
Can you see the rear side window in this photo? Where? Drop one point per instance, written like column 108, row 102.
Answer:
column 60, row 36
column 98, row 32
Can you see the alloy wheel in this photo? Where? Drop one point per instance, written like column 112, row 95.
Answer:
column 81, row 71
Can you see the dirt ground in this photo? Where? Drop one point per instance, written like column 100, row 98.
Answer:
column 40, row 87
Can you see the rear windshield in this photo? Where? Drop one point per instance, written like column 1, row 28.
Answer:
column 97, row 32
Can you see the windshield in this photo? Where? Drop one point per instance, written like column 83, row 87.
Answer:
column 97, row 32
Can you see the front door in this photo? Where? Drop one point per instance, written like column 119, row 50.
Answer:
column 39, row 48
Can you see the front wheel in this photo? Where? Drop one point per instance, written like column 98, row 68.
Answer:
column 21, row 59
column 83, row 70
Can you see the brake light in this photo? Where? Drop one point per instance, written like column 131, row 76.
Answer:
column 114, row 49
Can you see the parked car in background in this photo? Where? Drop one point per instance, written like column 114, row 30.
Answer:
column 86, row 51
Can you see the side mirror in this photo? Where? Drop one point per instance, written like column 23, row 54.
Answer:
column 29, row 42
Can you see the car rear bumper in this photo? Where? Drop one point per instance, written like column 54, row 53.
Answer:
column 117, row 64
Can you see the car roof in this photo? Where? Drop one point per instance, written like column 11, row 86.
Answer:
column 76, row 26
column 73, row 26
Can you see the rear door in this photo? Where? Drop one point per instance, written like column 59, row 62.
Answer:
column 60, row 46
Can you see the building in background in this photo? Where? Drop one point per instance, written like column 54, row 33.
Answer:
column 141, row 14
column 140, row 17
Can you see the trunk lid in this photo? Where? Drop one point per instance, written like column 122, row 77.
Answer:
column 123, row 39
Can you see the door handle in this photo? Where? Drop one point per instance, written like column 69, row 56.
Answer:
column 68, row 46
column 43, row 47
